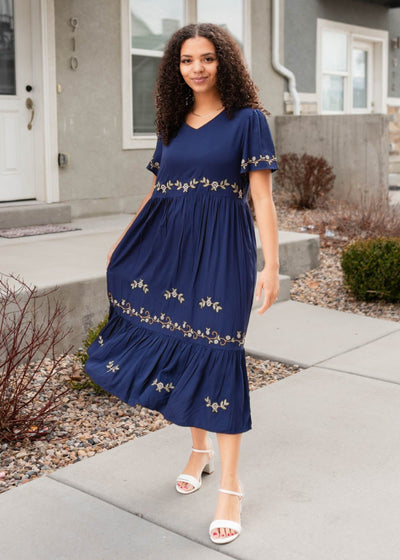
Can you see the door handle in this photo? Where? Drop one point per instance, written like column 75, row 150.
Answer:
column 29, row 105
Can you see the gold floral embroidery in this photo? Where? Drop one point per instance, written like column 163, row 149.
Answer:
column 209, row 303
column 164, row 188
column 100, row 340
column 154, row 164
column 112, row 367
column 174, row 293
column 140, row 284
column 166, row 322
column 160, row 386
column 215, row 406
column 269, row 159
column 192, row 184
column 186, row 186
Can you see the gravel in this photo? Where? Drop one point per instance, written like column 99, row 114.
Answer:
column 87, row 423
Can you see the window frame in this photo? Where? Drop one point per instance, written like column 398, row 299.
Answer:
column 132, row 141
column 378, row 39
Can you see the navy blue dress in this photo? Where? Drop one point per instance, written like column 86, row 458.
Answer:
column 181, row 281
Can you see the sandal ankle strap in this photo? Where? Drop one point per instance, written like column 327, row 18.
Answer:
column 240, row 494
column 202, row 450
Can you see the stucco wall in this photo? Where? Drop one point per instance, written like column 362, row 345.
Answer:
column 101, row 176
column 271, row 83
column 394, row 54
column 355, row 145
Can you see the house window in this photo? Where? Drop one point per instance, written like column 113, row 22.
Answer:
column 149, row 26
column 351, row 68
column 152, row 24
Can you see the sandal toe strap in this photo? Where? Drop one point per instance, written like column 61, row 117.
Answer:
column 189, row 479
column 225, row 524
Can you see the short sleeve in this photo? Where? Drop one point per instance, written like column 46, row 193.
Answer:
column 258, row 151
column 154, row 163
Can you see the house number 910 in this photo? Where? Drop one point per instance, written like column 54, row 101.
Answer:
column 74, row 60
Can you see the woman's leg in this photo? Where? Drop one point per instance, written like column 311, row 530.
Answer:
column 228, row 506
column 197, row 461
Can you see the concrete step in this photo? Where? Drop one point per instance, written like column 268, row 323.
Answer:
column 32, row 213
column 75, row 262
column 298, row 252
column 394, row 179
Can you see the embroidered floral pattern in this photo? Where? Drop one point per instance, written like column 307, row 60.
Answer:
column 174, row 293
column 269, row 159
column 154, row 164
column 140, row 284
column 164, row 188
column 160, row 386
column 186, row 186
column 166, row 322
column 192, row 184
column 215, row 406
column 112, row 367
column 100, row 340
column 209, row 303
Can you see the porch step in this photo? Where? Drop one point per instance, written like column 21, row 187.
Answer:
column 75, row 262
column 298, row 252
column 18, row 214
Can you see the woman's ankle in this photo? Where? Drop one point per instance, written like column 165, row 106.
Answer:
column 230, row 482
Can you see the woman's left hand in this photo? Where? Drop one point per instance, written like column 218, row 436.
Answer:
column 269, row 282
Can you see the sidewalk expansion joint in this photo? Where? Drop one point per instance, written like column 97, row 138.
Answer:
column 141, row 516
column 359, row 374
column 363, row 344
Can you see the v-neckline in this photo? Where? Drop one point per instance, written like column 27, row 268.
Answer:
column 205, row 124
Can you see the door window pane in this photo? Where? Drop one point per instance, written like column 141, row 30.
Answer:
column 332, row 93
column 360, row 78
column 144, row 73
column 334, row 51
column 7, row 52
column 153, row 23
column 226, row 13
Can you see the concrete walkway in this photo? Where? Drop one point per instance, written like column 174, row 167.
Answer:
column 320, row 468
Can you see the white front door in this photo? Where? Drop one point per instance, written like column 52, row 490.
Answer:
column 17, row 102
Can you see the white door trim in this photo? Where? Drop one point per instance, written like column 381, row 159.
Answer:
column 45, row 99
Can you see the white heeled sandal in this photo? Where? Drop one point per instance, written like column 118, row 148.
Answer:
column 196, row 483
column 227, row 523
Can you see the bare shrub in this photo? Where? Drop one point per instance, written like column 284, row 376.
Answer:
column 31, row 328
column 305, row 179
column 373, row 216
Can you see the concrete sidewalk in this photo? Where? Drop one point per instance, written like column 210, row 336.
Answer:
column 320, row 468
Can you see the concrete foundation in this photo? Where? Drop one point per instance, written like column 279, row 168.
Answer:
column 356, row 146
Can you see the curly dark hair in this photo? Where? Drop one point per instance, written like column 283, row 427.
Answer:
column 174, row 98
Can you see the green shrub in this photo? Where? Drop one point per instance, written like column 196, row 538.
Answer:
column 82, row 357
column 371, row 268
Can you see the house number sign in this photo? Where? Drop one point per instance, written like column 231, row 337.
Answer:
column 73, row 21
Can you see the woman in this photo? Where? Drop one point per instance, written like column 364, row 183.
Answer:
column 181, row 277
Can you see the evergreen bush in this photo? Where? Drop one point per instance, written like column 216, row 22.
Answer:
column 82, row 357
column 371, row 268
